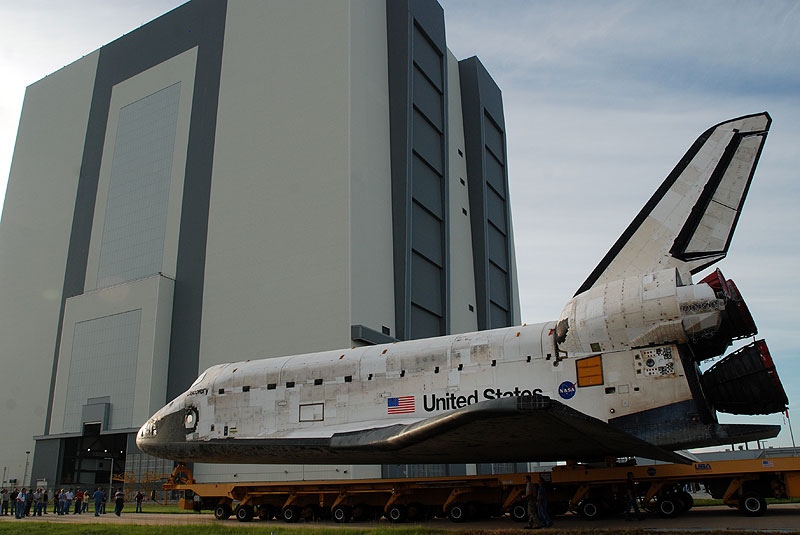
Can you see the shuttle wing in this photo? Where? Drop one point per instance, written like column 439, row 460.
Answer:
column 689, row 221
column 524, row 428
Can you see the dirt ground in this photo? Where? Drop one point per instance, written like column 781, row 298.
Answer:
column 783, row 518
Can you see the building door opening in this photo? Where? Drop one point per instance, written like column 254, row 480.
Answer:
column 89, row 460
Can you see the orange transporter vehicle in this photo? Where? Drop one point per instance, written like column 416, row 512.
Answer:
column 589, row 491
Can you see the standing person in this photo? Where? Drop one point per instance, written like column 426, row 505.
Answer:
column 531, row 493
column 62, row 501
column 630, row 490
column 98, row 501
column 45, row 501
column 13, row 501
column 20, row 500
column 103, row 505
column 56, row 496
column 139, row 498
column 68, row 501
column 4, row 511
column 119, row 502
column 78, row 501
column 28, row 502
column 37, row 503
column 541, row 504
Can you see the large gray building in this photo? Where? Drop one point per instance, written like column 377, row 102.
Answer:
column 240, row 180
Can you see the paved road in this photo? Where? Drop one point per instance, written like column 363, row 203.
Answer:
column 779, row 518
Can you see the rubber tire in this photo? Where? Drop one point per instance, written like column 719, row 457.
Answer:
column 519, row 512
column 752, row 504
column 290, row 514
column 342, row 514
column 396, row 514
column 458, row 512
column 222, row 511
column 244, row 513
column 669, row 506
column 590, row 510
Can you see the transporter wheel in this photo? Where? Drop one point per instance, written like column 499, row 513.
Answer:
column 222, row 511
column 458, row 512
column 669, row 506
column 519, row 512
column 290, row 514
column 752, row 504
column 244, row 513
column 590, row 510
column 342, row 513
column 397, row 513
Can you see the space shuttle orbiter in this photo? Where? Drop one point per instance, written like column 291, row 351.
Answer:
column 616, row 375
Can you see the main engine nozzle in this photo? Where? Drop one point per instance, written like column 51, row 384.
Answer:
column 736, row 321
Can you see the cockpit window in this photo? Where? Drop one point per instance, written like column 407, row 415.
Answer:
column 198, row 380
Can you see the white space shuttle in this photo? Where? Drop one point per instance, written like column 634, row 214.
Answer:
column 616, row 375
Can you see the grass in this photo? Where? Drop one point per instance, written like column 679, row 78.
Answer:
column 42, row 528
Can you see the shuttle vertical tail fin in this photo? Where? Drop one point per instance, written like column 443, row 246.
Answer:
column 689, row 221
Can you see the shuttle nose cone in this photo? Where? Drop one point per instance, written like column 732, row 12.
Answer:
column 163, row 435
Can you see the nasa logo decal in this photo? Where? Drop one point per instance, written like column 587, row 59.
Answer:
column 566, row 390
column 651, row 471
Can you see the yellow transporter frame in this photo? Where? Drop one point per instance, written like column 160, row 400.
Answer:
column 590, row 491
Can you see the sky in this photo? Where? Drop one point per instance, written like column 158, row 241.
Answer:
column 601, row 100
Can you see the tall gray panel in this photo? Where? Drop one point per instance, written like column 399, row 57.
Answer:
column 485, row 152
column 141, row 170
column 418, row 114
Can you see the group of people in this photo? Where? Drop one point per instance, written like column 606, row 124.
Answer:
column 21, row 502
column 536, row 499
column 25, row 502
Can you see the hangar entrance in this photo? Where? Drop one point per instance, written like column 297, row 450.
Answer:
column 88, row 460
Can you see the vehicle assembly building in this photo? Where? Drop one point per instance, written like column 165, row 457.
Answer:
column 233, row 181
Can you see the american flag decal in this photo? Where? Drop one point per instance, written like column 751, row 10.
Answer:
column 401, row 405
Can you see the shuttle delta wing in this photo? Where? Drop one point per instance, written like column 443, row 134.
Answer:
column 533, row 428
column 689, row 221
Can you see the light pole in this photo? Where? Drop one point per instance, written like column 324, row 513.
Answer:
column 25, row 474
column 110, row 478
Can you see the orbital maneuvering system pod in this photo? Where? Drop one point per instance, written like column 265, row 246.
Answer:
column 618, row 374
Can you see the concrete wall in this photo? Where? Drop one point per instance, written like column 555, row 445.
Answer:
column 34, row 237
column 277, row 274
column 462, row 274
column 371, row 234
